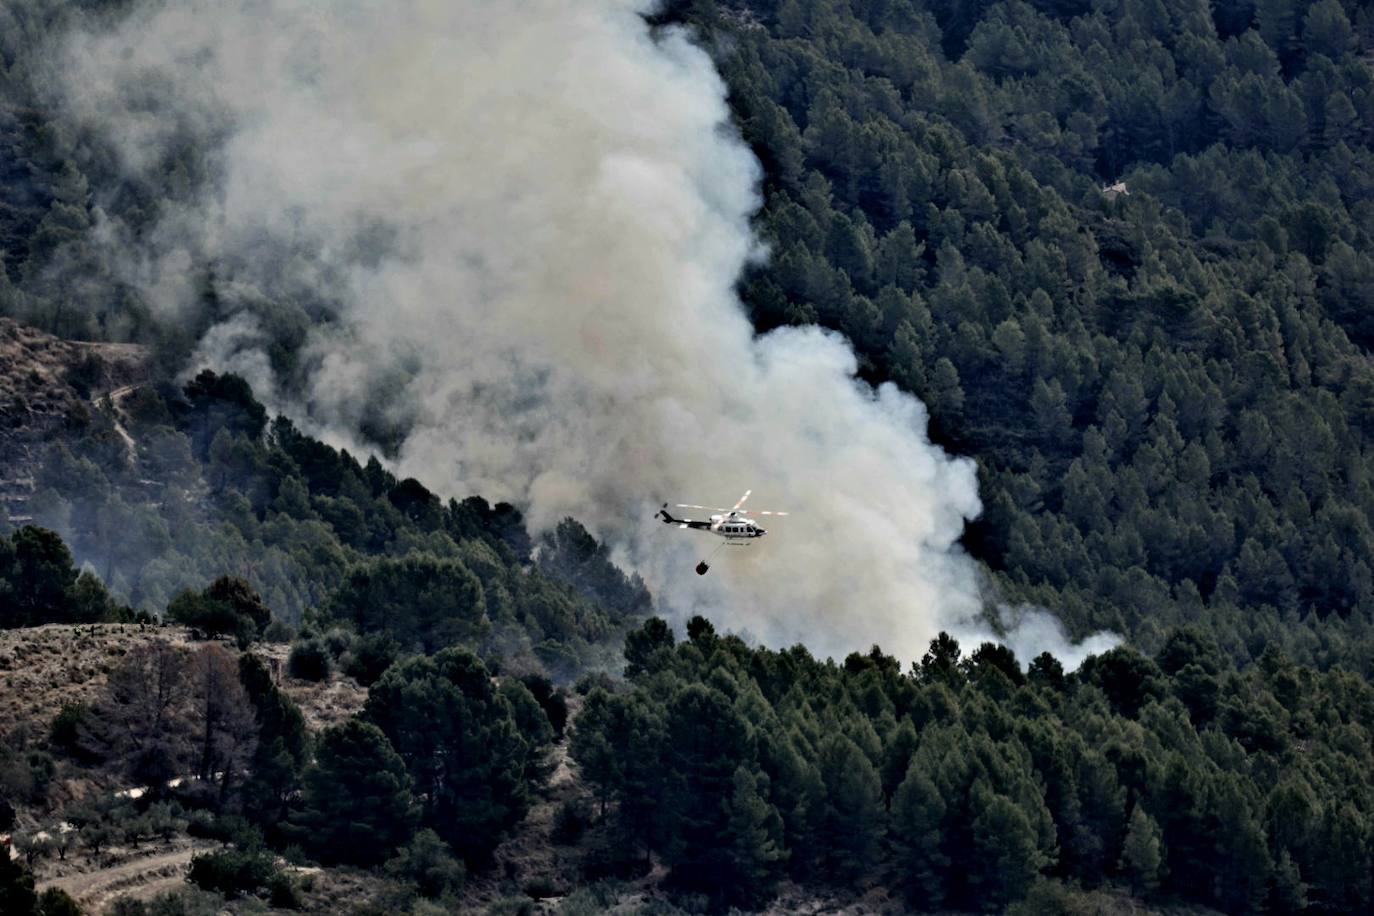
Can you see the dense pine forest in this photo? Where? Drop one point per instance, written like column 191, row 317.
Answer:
column 1165, row 386
column 1124, row 253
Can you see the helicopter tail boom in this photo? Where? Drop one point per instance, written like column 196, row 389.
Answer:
column 664, row 515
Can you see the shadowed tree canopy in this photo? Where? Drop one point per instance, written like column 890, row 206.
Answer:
column 461, row 744
column 214, row 403
column 229, row 605
column 39, row 583
column 356, row 806
column 421, row 601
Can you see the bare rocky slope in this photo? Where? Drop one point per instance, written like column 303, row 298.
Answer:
column 45, row 668
column 47, row 384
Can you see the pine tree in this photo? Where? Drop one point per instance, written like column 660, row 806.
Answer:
column 649, row 648
column 1048, row 406
column 918, row 811
column 1141, row 855
column 853, row 816
column 1288, row 895
column 282, row 746
column 754, row 856
column 618, row 744
column 941, row 663
column 534, row 727
column 41, row 576
column 901, row 744
column 1006, row 855
column 460, row 744
column 357, row 806
column 946, row 394
column 709, row 742
column 1327, row 30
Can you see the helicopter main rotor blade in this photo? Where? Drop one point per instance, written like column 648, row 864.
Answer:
column 763, row 512
column 735, row 507
column 707, row 508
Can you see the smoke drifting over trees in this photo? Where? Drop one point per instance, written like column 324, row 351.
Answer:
column 503, row 239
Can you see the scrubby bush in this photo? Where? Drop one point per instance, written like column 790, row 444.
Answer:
column 278, row 631
column 232, row 872
column 201, row 824
column 57, row 902
column 165, row 820
column 590, row 901
column 187, row 902
column 65, row 733
column 32, row 845
column 427, row 863
column 283, row 892
column 371, row 655
column 42, row 768
column 570, row 821
column 542, row 887
column 338, row 641
column 25, row 775
column 96, row 837
column 233, row 829
column 309, row 660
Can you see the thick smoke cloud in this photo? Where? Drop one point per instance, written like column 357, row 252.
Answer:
column 525, row 220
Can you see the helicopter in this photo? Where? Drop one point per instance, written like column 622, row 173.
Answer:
column 733, row 524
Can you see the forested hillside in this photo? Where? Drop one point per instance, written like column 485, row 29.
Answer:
column 968, row 780
column 1167, row 388
column 1124, row 253
column 205, row 486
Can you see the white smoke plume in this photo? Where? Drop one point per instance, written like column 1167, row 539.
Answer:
column 528, row 218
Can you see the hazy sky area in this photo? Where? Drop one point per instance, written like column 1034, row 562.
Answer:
column 527, row 218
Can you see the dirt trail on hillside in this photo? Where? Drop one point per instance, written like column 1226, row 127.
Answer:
column 114, row 397
column 142, row 878
column 46, row 385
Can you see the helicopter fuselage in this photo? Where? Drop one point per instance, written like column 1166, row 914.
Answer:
column 734, row 526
